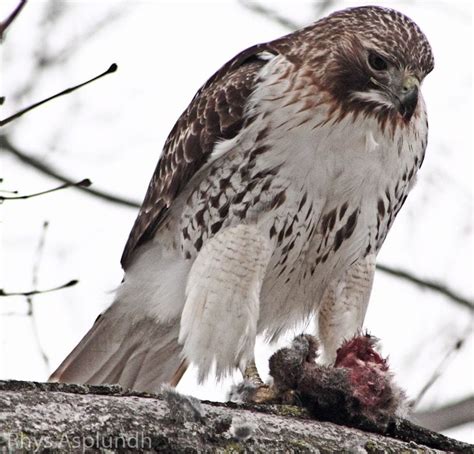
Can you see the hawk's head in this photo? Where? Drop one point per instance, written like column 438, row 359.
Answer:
column 374, row 60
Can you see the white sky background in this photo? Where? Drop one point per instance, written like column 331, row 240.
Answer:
column 112, row 132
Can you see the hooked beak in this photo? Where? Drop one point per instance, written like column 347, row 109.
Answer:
column 408, row 96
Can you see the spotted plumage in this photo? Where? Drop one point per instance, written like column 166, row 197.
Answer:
column 274, row 193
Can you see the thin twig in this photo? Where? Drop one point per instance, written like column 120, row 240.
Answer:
column 29, row 299
column 50, row 171
column 448, row 357
column 320, row 7
column 45, row 57
column 13, row 314
column 83, row 183
column 14, row 14
column 38, row 256
column 429, row 284
column 269, row 14
column 39, row 292
column 113, row 67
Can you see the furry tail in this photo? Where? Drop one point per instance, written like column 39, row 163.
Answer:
column 139, row 355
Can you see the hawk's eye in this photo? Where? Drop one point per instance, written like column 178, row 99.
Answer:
column 377, row 62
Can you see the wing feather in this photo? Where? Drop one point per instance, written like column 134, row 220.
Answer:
column 215, row 113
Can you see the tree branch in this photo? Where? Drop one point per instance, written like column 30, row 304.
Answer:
column 98, row 417
column 111, row 69
column 52, row 18
column 429, row 284
column 14, row 14
column 321, row 6
column 6, row 191
column 51, row 172
column 448, row 416
column 29, row 299
column 39, row 292
column 269, row 14
column 83, row 183
column 441, row 367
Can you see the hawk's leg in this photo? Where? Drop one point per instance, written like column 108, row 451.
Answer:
column 342, row 310
column 250, row 373
column 262, row 393
column 222, row 306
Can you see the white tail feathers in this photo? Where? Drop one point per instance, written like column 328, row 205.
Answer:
column 139, row 356
column 134, row 343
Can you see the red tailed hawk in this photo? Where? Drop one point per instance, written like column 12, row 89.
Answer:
column 274, row 193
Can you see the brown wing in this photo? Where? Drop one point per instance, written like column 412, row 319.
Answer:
column 215, row 113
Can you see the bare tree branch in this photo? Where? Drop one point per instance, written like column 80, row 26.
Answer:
column 429, row 284
column 149, row 423
column 6, row 145
column 321, row 6
column 14, row 14
column 29, row 299
column 5, row 191
column 47, row 53
column 269, row 14
column 13, row 314
column 39, row 292
column 448, row 357
column 113, row 67
column 448, row 416
column 83, row 183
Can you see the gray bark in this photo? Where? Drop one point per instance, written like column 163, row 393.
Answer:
column 73, row 418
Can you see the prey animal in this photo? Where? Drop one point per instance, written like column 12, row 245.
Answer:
column 274, row 193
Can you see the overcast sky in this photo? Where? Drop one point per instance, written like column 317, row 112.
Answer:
column 112, row 132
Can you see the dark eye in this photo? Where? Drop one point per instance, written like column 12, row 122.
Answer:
column 377, row 62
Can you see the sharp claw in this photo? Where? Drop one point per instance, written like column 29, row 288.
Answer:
column 264, row 394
